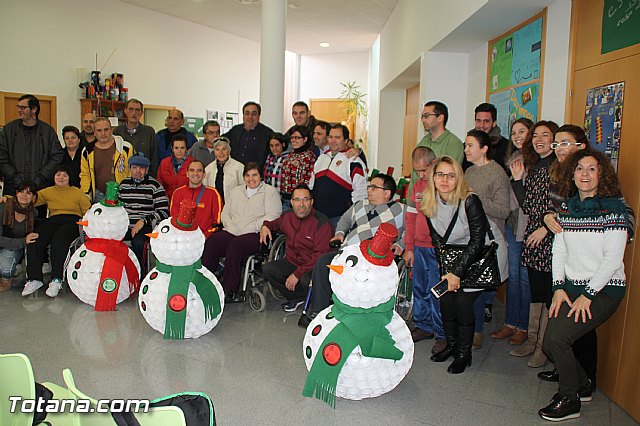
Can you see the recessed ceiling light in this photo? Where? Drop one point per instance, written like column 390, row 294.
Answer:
column 324, row 44
column 247, row 1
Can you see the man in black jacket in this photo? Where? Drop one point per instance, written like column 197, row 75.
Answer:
column 250, row 140
column 29, row 148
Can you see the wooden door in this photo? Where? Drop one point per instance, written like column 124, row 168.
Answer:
column 8, row 111
column 410, row 129
column 618, row 340
column 331, row 111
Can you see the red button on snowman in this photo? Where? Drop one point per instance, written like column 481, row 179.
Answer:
column 179, row 297
column 359, row 347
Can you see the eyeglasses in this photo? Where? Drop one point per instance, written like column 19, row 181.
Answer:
column 22, row 107
column 564, row 144
column 375, row 187
column 301, row 200
column 296, row 138
column 428, row 114
column 447, row 176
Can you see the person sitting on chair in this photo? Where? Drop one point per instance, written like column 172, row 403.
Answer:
column 360, row 222
column 245, row 210
column 307, row 234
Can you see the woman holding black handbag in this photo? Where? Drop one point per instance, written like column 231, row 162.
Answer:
column 455, row 216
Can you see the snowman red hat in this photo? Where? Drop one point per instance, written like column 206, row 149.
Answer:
column 378, row 249
column 185, row 221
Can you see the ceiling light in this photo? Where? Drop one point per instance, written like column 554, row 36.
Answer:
column 247, row 1
column 324, row 44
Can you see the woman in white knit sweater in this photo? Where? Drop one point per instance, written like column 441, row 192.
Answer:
column 588, row 271
column 245, row 209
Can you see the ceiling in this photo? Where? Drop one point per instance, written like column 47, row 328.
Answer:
column 348, row 25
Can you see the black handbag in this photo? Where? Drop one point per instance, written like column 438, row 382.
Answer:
column 483, row 273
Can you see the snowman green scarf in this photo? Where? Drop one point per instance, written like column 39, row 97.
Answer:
column 181, row 276
column 358, row 327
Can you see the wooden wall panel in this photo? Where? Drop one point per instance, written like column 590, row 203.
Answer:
column 410, row 138
column 589, row 36
column 48, row 108
column 619, row 342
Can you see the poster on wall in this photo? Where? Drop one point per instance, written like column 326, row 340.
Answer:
column 515, row 59
column 514, row 103
column 603, row 119
column 194, row 125
column 620, row 24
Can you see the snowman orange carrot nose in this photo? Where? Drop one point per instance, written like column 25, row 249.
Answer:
column 152, row 235
column 338, row 269
column 83, row 222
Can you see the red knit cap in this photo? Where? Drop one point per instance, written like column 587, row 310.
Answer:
column 186, row 216
column 378, row 250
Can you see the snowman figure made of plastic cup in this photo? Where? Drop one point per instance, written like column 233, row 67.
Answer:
column 359, row 347
column 179, row 297
column 104, row 271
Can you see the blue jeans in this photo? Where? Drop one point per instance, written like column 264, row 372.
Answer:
column 9, row 260
column 426, row 307
column 518, row 293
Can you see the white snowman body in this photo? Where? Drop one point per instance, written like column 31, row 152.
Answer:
column 85, row 266
column 362, row 285
column 176, row 247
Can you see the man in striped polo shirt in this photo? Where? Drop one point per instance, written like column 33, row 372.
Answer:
column 146, row 204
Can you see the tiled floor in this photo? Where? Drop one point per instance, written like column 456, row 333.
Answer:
column 251, row 366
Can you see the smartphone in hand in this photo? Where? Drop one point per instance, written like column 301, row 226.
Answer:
column 441, row 288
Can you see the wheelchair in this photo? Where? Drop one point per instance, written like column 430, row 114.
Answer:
column 404, row 291
column 253, row 283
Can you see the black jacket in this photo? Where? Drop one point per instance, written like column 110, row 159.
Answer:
column 261, row 134
column 477, row 231
column 22, row 161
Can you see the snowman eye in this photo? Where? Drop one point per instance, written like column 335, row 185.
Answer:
column 97, row 212
column 164, row 229
column 353, row 259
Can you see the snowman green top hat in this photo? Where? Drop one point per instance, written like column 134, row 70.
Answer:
column 111, row 195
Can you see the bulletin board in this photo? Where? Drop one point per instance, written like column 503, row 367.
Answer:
column 514, row 71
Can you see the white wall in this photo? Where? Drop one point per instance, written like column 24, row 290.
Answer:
column 321, row 75
column 477, row 83
column 166, row 61
column 556, row 61
column 374, row 103
column 445, row 77
column 390, row 135
column 414, row 27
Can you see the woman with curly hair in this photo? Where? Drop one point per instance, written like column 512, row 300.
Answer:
column 588, row 271
column 533, row 195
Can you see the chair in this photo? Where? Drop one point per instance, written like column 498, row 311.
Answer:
column 156, row 416
column 16, row 379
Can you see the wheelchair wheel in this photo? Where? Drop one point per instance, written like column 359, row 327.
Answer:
column 404, row 292
column 257, row 300
column 278, row 248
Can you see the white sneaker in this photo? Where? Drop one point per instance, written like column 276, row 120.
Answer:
column 31, row 287
column 46, row 268
column 54, row 288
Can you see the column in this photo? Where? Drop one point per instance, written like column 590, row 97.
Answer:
column 272, row 47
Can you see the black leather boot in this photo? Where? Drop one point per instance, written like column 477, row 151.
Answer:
column 463, row 350
column 451, row 333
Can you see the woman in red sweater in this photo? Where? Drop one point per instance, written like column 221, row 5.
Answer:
column 172, row 172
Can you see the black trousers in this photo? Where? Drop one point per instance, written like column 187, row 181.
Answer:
column 137, row 245
column 540, row 285
column 321, row 293
column 561, row 334
column 59, row 231
column 277, row 272
column 457, row 307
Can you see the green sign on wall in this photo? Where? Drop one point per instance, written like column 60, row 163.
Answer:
column 620, row 24
column 194, row 125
